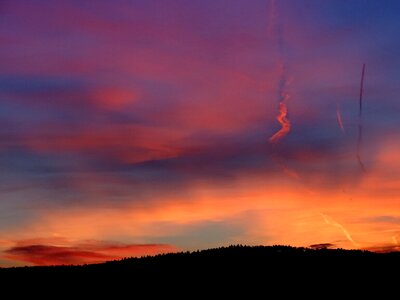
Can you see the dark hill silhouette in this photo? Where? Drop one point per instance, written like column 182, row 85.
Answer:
column 235, row 267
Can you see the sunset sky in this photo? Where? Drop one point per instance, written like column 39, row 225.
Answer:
column 135, row 127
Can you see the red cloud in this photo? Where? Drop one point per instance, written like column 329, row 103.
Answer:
column 113, row 98
column 92, row 252
column 128, row 143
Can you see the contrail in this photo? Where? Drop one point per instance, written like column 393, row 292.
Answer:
column 395, row 241
column 360, row 123
column 275, row 34
column 328, row 220
column 361, row 89
column 282, row 119
column 275, row 30
column 339, row 118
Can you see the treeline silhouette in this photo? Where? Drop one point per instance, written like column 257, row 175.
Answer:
column 230, row 267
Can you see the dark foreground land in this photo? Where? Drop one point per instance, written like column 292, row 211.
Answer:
column 280, row 268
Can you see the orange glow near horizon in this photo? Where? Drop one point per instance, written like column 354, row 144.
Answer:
column 286, row 212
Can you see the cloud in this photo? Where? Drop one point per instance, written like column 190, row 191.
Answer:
column 385, row 219
column 113, row 98
column 87, row 252
column 322, row 246
column 384, row 248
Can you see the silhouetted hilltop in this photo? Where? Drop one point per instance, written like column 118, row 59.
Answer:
column 235, row 265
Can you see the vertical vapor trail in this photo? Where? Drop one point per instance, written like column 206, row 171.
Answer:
column 275, row 35
column 275, row 32
column 339, row 118
column 328, row 220
column 360, row 123
column 395, row 241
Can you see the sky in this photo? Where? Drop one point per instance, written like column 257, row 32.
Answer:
column 137, row 127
